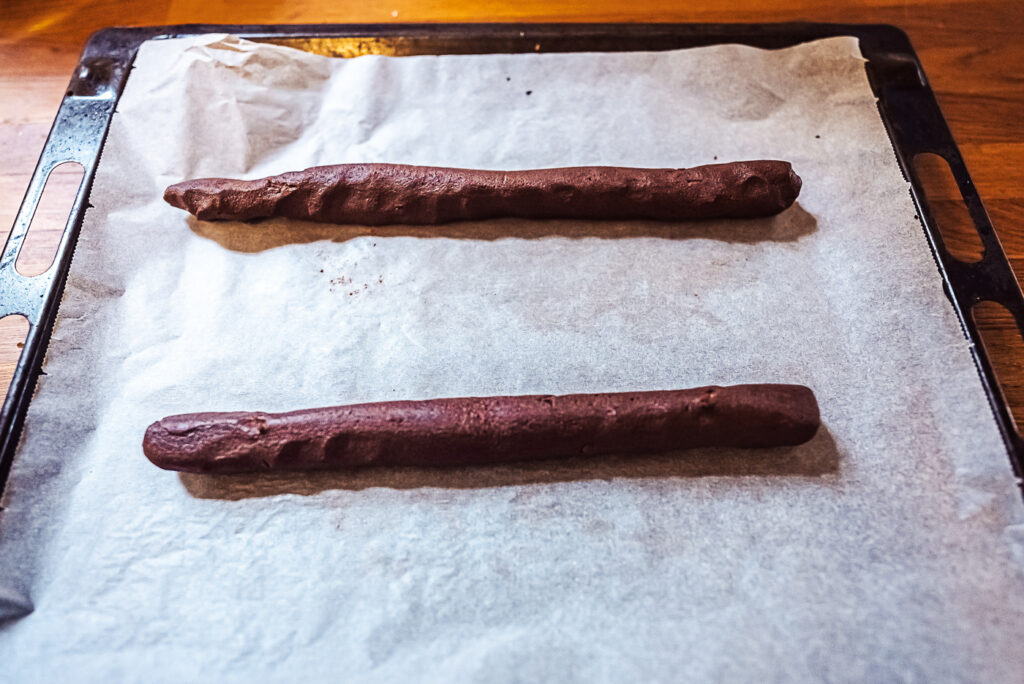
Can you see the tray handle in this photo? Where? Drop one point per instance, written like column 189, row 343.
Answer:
column 916, row 126
column 77, row 135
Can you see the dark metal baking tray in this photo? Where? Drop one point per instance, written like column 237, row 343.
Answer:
column 905, row 101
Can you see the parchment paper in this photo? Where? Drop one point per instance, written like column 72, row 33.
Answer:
column 887, row 549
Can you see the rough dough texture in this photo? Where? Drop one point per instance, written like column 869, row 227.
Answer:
column 449, row 432
column 376, row 194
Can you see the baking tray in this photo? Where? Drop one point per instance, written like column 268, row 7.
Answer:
column 905, row 101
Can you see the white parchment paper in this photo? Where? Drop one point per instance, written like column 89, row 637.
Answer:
column 887, row 549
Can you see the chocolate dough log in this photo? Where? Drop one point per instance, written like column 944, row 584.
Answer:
column 450, row 432
column 376, row 194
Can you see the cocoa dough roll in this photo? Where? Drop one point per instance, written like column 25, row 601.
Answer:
column 376, row 194
column 484, row 430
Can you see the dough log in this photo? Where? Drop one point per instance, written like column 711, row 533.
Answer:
column 377, row 194
column 464, row 431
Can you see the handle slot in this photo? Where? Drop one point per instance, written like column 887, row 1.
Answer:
column 1004, row 348
column 51, row 218
column 949, row 212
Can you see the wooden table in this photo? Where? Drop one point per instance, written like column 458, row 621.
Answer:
column 972, row 53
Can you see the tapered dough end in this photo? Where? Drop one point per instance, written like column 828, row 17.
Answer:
column 202, row 442
column 801, row 411
column 175, row 195
column 792, row 189
column 155, row 443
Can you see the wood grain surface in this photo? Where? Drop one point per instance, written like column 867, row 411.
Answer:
column 972, row 53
